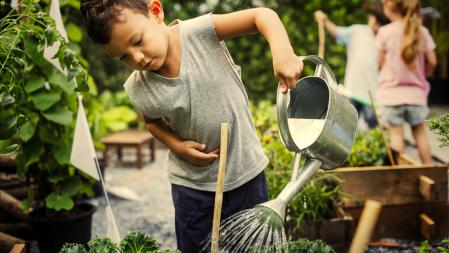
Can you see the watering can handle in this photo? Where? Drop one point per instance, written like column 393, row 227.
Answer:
column 322, row 69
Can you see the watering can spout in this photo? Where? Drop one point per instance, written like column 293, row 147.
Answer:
column 279, row 204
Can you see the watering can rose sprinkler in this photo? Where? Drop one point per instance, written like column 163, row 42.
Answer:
column 317, row 124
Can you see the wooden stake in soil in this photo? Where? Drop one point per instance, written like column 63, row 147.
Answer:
column 219, row 187
column 379, row 125
column 366, row 225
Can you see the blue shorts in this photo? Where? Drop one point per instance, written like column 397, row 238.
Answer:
column 400, row 114
column 194, row 209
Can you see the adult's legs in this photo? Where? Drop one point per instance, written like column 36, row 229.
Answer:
column 422, row 143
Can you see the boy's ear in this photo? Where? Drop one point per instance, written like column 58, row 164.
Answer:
column 155, row 9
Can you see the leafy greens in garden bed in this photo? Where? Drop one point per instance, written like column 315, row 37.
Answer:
column 134, row 242
column 440, row 126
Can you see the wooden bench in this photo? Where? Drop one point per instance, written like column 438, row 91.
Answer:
column 133, row 138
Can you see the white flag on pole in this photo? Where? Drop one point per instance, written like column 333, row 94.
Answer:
column 111, row 226
column 83, row 151
column 49, row 52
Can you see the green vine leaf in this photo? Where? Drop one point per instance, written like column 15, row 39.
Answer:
column 60, row 115
column 46, row 99
column 28, row 129
column 8, row 127
column 62, row 152
column 34, row 83
column 72, row 186
column 59, row 202
column 7, row 100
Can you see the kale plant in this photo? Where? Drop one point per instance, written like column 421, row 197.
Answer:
column 134, row 242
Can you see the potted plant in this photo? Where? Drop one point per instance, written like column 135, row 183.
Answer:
column 37, row 120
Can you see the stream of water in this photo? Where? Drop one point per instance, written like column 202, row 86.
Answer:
column 254, row 230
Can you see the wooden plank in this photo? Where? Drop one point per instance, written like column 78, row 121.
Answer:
column 426, row 227
column 402, row 221
column 391, row 185
column 7, row 242
column 427, row 188
column 18, row 248
column 337, row 232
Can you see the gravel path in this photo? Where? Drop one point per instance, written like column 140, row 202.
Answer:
column 154, row 215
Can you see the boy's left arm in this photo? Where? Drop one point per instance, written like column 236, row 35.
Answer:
column 286, row 65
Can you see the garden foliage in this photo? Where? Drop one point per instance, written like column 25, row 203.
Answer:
column 38, row 106
column 442, row 247
column 134, row 242
column 440, row 126
column 368, row 150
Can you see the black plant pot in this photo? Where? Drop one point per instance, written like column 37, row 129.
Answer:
column 53, row 233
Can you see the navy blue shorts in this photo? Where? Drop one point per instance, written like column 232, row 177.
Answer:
column 194, row 209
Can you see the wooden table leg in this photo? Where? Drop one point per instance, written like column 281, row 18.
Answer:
column 152, row 149
column 105, row 154
column 119, row 153
column 139, row 157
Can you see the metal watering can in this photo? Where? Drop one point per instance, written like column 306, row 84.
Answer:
column 315, row 122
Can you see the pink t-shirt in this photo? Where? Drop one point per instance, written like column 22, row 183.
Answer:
column 398, row 84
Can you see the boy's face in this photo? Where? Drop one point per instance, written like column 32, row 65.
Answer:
column 139, row 41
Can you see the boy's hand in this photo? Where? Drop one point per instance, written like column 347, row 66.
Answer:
column 191, row 151
column 287, row 69
column 320, row 16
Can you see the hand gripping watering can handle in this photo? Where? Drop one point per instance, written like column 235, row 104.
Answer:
column 322, row 70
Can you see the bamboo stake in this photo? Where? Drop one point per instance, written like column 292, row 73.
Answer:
column 366, row 225
column 379, row 124
column 321, row 37
column 219, row 187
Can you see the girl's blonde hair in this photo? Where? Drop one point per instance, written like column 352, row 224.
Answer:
column 410, row 12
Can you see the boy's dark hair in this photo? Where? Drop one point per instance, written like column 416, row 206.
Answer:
column 99, row 15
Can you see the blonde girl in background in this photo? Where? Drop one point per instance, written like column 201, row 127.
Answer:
column 406, row 58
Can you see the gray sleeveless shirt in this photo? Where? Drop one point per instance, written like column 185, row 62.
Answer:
column 207, row 92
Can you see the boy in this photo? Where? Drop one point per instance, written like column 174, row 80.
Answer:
column 186, row 84
column 361, row 66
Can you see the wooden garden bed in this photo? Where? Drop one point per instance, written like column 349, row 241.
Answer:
column 337, row 232
column 414, row 198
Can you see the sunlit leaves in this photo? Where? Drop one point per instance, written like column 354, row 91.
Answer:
column 59, row 202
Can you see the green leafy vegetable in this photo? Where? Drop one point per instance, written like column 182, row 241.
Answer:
column 102, row 245
column 138, row 242
column 440, row 126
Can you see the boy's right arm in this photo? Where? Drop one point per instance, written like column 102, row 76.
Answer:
column 190, row 151
column 320, row 16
